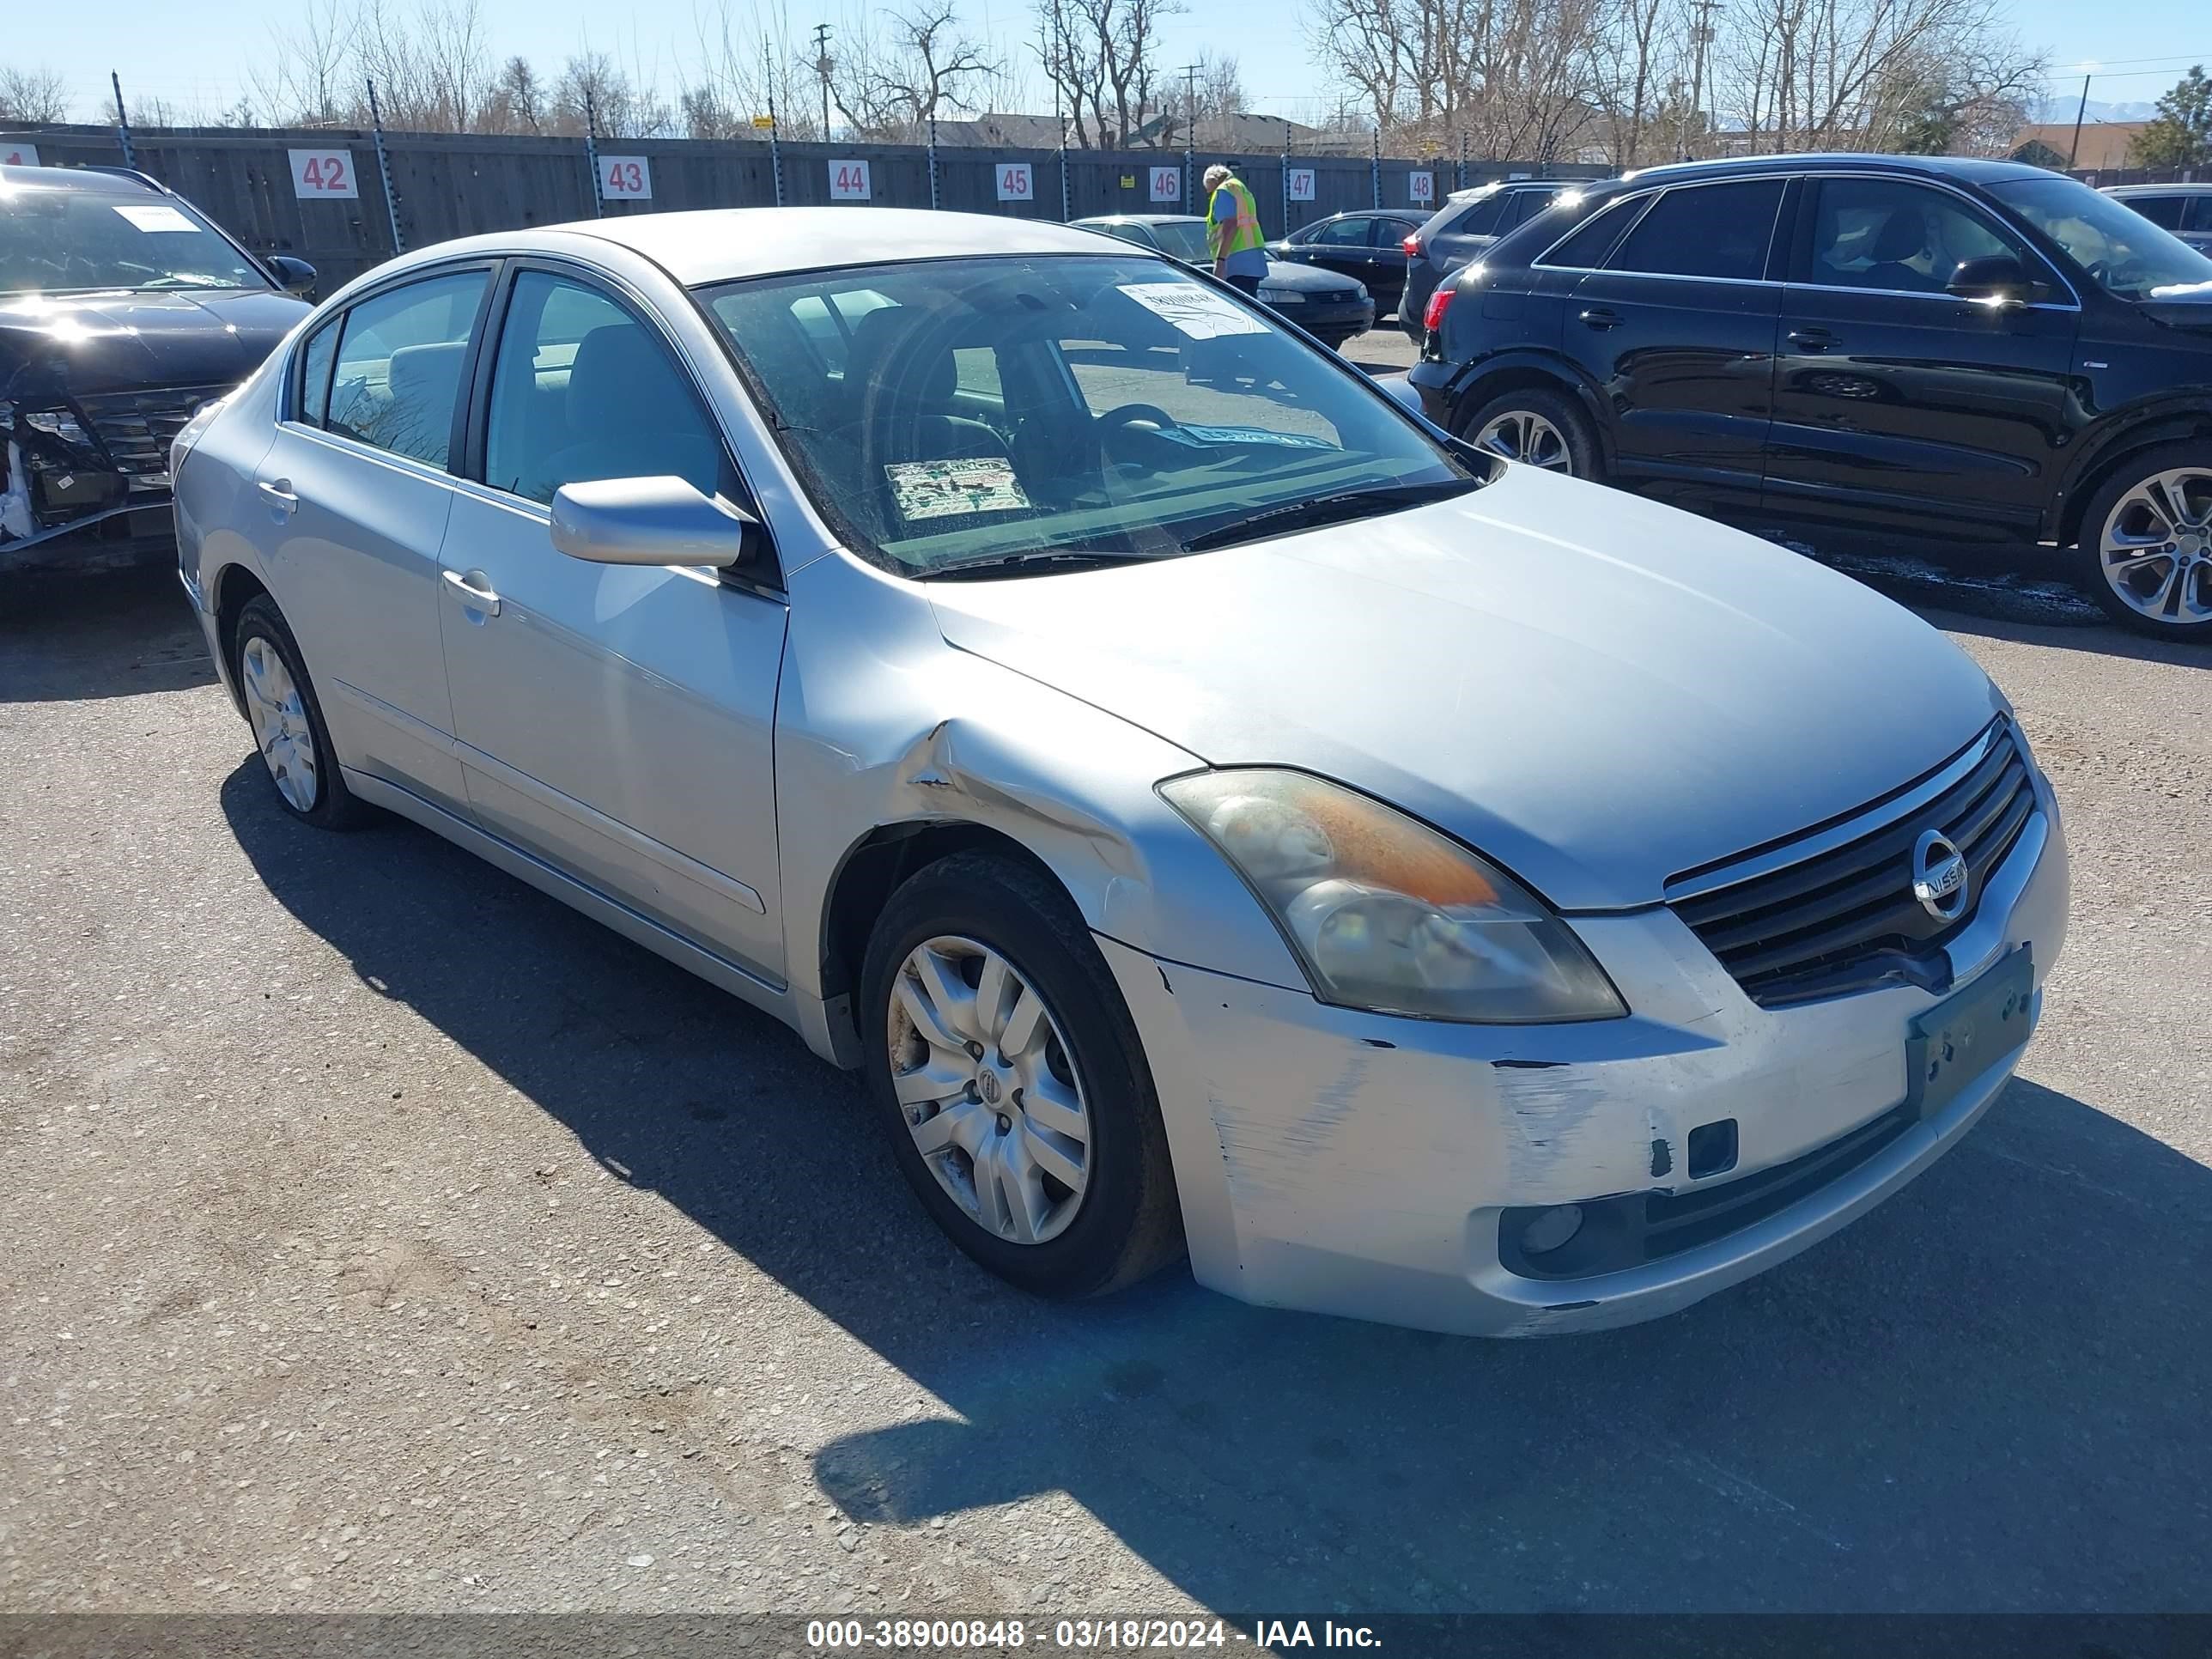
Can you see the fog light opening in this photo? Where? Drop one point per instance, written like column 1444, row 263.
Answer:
column 1550, row 1229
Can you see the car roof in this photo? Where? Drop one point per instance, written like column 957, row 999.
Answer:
column 715, row 245
column 1973, row 168
column 1136, row 219
column 85, row 181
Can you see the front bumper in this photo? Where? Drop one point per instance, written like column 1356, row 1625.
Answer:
column 1356, row 1163
column 1334, row 323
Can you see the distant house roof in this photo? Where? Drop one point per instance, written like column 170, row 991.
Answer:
column 990, row 131
column 2104, row 144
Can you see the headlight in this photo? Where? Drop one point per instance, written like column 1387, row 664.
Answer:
column 1281, row 296
column 1384, row 914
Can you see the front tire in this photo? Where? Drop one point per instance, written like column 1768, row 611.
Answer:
column 2147, row 543
column 1013, row 1082
column 1537, row 427
column 287, row 719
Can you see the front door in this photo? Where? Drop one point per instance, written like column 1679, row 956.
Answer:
column 1899, row 408
column 355, row 494
column 1344, row 246
column 616, row 722
column 1677, row 333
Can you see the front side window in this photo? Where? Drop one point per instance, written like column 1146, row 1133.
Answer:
column 399, row 358
column 1898, row 236
column 1704, row 230
column 583, row 390
column 2115, row 247
column 2164, row 211
column 1006, row 409
column 60, row 241
column 1342, row 232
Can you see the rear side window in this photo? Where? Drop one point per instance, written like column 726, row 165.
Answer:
column 315, row 373
column 583, row 390
column 1705, row 230
column 1482, row 219
column 1586, row 249
column 400, row 359
column 2164, row 210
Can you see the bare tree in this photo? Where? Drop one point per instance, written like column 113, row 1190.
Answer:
column 1640, row 57
column 518, row 101
column 597, row 93
column 307, row 77
column 888, row 83
column 739, row 73
column 33, row 97
column 1103, row 58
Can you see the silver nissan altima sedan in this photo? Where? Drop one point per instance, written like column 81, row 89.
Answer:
column 1218, row 814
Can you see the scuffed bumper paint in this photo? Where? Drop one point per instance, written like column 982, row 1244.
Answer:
column 1356, row 1163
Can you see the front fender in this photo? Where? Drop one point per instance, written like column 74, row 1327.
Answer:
column 880, row 722
column 2161, row 417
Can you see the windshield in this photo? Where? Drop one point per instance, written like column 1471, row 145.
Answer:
column 2119, row 250
column 962, row 411
column 57, row 241
column 1184, row 240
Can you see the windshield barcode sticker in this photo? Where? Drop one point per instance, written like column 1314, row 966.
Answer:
column 1198, row 312
column 946, row 489
column 159, row 216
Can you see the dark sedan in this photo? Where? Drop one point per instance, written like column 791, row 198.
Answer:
column 1368, row 245
column 1908, row 347
column 122, row 311
column 1332, row 307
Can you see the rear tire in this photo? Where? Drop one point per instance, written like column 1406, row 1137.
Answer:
column 1536, row 427
column 1055, row 1173
column 286, row 718
column 2146, row 543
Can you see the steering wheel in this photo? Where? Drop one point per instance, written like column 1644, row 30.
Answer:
column 1129, row 412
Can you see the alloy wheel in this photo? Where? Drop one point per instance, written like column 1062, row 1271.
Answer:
column 1521, row 434
column 985, row 1083
column 2155, row 550
column 280, row 728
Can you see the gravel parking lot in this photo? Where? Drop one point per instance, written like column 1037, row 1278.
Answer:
column 381, row 1235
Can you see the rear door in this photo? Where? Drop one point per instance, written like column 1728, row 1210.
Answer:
column 356, row 493
column 1678, row 332
column 1898, row 407
column 614, row 721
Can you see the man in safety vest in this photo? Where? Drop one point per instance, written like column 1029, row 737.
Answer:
column 1232, row 231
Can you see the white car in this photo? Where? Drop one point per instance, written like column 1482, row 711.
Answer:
column 1227, row 818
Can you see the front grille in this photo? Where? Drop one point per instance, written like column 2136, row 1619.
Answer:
column 1844, row 917
column 136, row 428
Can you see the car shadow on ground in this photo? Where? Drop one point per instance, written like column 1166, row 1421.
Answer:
column 106, row 633
column 1988, row 1394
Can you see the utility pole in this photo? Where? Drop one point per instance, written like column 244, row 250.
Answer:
column 2080, row 110
column 1701, row 35
column 822, row 65
column 1190, row 133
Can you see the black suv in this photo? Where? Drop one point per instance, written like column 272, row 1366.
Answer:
column 1915, row 347
column 122, row 310
column 1467, row 225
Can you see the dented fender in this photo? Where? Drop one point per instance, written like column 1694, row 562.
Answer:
column 880, row 722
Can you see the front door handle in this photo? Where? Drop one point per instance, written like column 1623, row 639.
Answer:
column 1811, row 339
column 1601, row 318
column 279, row 492
column 472, row 589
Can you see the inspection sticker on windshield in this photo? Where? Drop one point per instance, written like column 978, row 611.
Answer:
column 157, row 217
column 944, row 489
column 1198, row 312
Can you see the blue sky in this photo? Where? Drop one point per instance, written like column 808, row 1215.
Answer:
column 2140, row 46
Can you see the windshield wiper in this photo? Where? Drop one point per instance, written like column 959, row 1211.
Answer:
column 1328, row 509
column 1011, row 563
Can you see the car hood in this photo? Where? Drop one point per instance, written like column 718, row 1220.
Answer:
column 84, row 344
column 1596, row 691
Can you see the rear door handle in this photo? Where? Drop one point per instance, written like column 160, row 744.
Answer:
column 472, row 590
column 1811, row 339
column 279, row 492
column 1599, row 317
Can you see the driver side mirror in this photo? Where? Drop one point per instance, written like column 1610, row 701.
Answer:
column 295, row 276
column 1995, row 278
column 652, row 521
